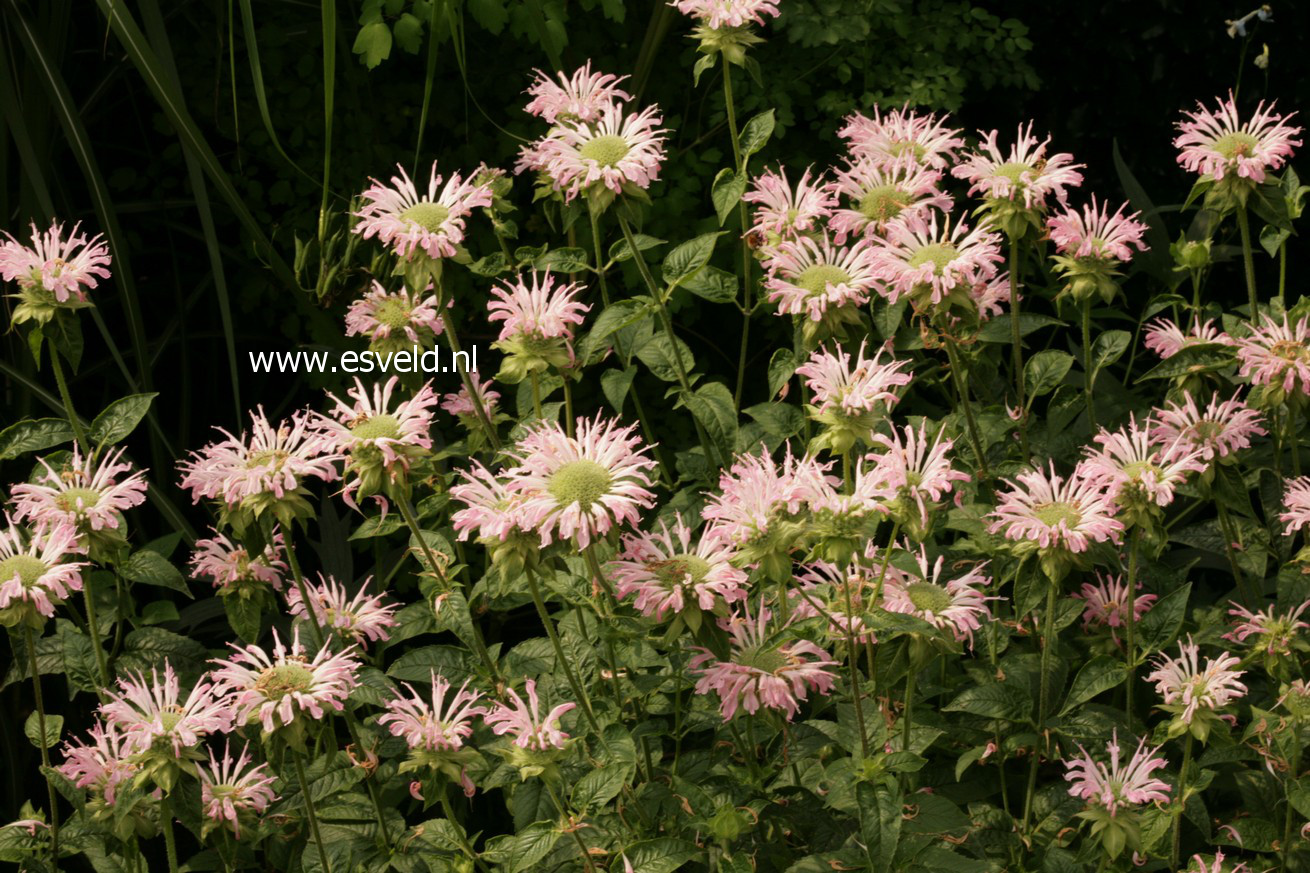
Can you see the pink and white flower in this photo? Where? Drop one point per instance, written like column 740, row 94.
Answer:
column 1182, row 681
column 787, row 212
column 808, row 277
column 992, row 296
column 717, row 14
column 666, row 572
column 1219, row 143
column 1118, row 786
column 958, row 606
column 274, row 689
column 579, row 487
column 917, row 256
column 362, row 617
column 102, row 764
column 492, row 511
column 1296, row 499
column 63, row 268
column 439, row 723
column 154, row 711
column 618, row 148
column 902, row 134
column 408, row 220
column 1271, row 631
column 881, row 192
column 228, row 565
column 839, row 387
column 1026, row 173
column 1132, row 467
column 1221, row 430
column 1095, row 233
column 33, row 567
column 1056, row 512
column 581, row 97
column 381, row 315
column 461, row 404
column 543, row 310
column 524, row 720
column 1107, row 603
column 1277, row 354
column 84, row 494
column 1167, row 339
column 756, row 491
column 914, row 470
column 230, row 789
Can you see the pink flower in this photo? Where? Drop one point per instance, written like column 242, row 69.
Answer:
column 1131, row 467
column 1167, row 339
column 1026, row 173
column 154, row 712
column 852, row 391
column 763, row 668
column 785, row 211
column 755, row 491
column 859, row 578
column 617, row 148
column 492, row 510
column 880, row 192
column 380, row 316
column 431, row 222
column 582, row 96
column 1184, row 682
column 1056, row 512
column 916, row 256
column 1296, row 497
column 228, row 565
column 433, row 724
column 1115, row 787
column 460, row 403
column 102, row 765
column 914, row 471
column 1218, row 144
column 524, row 721
column 1273, row 632
column 717, row 14
column 1107, row 603
column 958, row 606
column 1277, row 354
column 1221, row 430
column 901, row 134
column 991, row 296
column 579, row 487
column 262, row 467
column 362, row 617
column 274, row 688
column 63, row 268
column 665, row 571
column 1198, row 863
column 33, row 569
column 230, row 789
column 808, row 277
column 1095, row 233
column 543, row 311
column 83, row 494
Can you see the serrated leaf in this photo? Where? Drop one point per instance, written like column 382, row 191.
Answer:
column 1045, row 371
column 726, row 192
column 688, row 258
column 712, row 405
column 598, row 787
column 1108, row 348
column 373, row 44
column 657, row 355
column 999, row 700
column 1159, row 627
column 615, row 385
column 713, row 284
column 119, row 419
column 244, row 615
column 1192, row 360
column 149, row 647
column 33, row 436
column 998, row 329
column 781, row 368
column 663, row 855
column 152, row 568
column 531, row 844
column 756, row 134
column 378, row 526
column 563, row 260
column 1099, row 674
column 408, row 32
column 620, row 251
column 54, row 726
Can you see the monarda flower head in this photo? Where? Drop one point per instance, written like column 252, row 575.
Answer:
column 667, row 573
column 1231, row 153
column 764, row 668
column 233, row 571
column 537, row 324
column 262, row 472
column 851, row 398
column 1268, row 630
column 783, row 212
column 1277, row 356
column 359, row 619
column 1296, row 500
column 911, row 476
column 899, row 135
column 580, row 97
column 1016, row 185
column 394, row 321
column 460, row 404
column 102, row 764
column 1056, row 516
column 1106, row 603
column 821, row 283
column 880, row 192
column 724, row 26
column 54, row 272
column 379, row 439
column 1114, row 792
column 618, row 153
column 934, row 265
column 1091, row 246
column 1194, row 693
column 435, row 728
column 89, row 496
column 35, row 575
column 1139, row 475
column 231, row 791
column 958, row 606
column 1221, row 430
column 524, row 721
column 429, row 222
column 1167, row 339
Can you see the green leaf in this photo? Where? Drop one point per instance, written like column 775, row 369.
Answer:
column 662, row 855
column 378, row 526
column 149, row 647
column 243, row 614
column 33, row 436
column 530, row 845
column 1045, row 371
column 781, row 367
column 998, row 329
column 65, row 334
column 408, row 32
column 160, row 612
column 778, row 419
column 563, row 260
column 1159, row 627
column 657, row 354
column 54, row 726
column 598, row 787
column 1099, row 674
column 713, row 284
column 615, row 385
column 726, row 192
column 713, row 407
column 1192, row 360
column 706, row 62
column 999, row 700
column 1108, row 348
column 755, row 134
column 617, row 316
column 79, row 666
column 620, row 251
column 119, row 419
column 152, row 568
column 373, row 44
column 687, row 259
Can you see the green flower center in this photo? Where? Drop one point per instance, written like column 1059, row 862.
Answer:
column 1289, row 350
column 582, row 482
column 605, row 150
column 1014, row 171
column 266, row 458
column 394, row 313
column 170, row 717
column 429, row 216
column 1207, row 429
column 899, row 148
column 765, row 658
column 883, row 203
column 378, row 427
column 938, row 254
column 68, row 500
column 28, row 569
column 277, row 682
column 1051, row 514
column 678, row 568
column 1237, row 144
column 1139, row 470
column 815, row 280
column 928, row 597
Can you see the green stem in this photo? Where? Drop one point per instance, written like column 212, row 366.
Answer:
column 536, row 394
column 564, row 665
column 1282, row 272
column 1180, row 803
column 475, row 397
column 166, row 825
column 857, row 693
column 1130, row 624
column 740, row 165
column 1048, row 641
column 45, row 752
column 1226, row 527
column 92, row 626
column 907, row 720
column 1196, row 295
column 1244, row 225
column 963, row 392
column 1087, row 363
column 582, row 847
column 310, row 811
column 886, row 559
column 299, row 579
column 1016, row 336
column 1291, row 784
column 459, row 829
column 73, row 420
column 1294, row 436
column 569, row 423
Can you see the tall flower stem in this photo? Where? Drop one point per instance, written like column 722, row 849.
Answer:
column 1282, row 271
column 73, row 421
column 475, row 397
column 1044, row 695
column 170, row 841
column 536, row 394
column 45, row 752
column 310, row 811
column 1087, row 362
column 1180, row 803
column 740, row 165
column 675, row 354
column 1291, row 783
column 907, row 720
column 93, row 628
column 459, row 830
column 962, row 390
column 853, row 662
column 1016, row 336
column 582, row 847
column 1130, row 625
column 886, row 559
column 1244, row 226
column 564, row 665
column 1230, row 535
